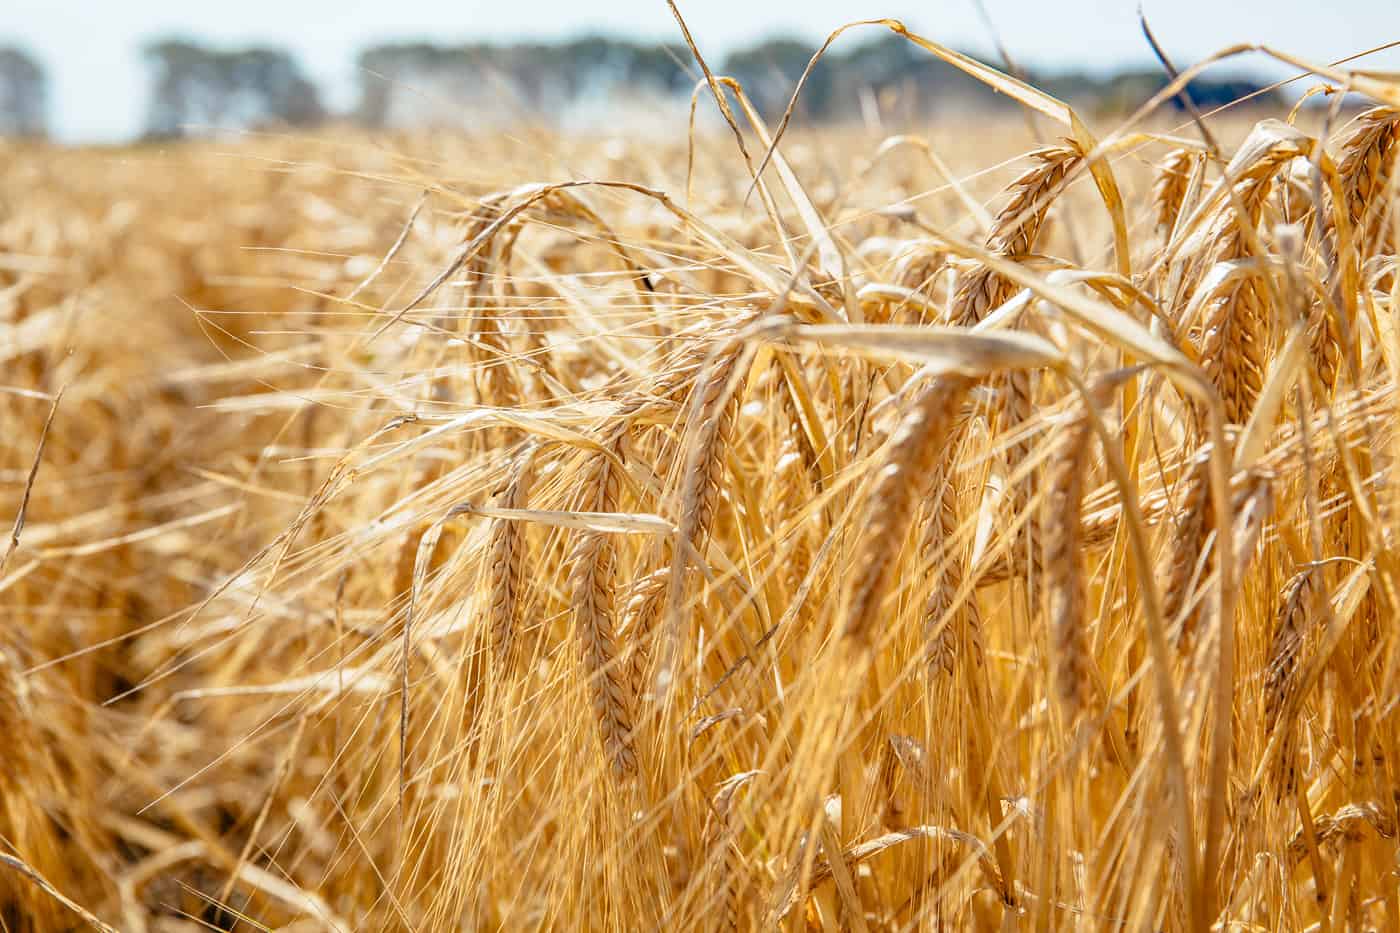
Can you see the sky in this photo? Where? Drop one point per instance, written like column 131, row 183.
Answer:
column 91, row 48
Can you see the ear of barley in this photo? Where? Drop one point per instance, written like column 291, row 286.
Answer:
column 938, row 548
column 592, row 561
column 487, row 344
column 1328, row 345
column 1296, row 606
column 1014, row 235
column 1015, row 231
column 643, row 608
column 1018, row 408
column 505, row 563
column 1169, row 189
column 793, row 419
column 1351, row 822
column 1064, row 575
column 1366, row 167
column 1019, row 222
column 1233, row 350
column 729, row 872
column 1235, row 319
column 715, row 406
column 914, row 450
column 1187, row 536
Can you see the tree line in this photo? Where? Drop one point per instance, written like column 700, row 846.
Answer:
column 195, row 88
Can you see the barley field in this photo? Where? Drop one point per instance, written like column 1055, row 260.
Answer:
column 987, row 526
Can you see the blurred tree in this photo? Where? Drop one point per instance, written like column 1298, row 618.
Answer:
column 23, row 94
column 200, row 88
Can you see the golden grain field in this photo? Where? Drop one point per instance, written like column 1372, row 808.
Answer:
column 948, row 530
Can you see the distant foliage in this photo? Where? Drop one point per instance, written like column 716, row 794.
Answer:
column 23, row 94
column 480, row 85
column 466, row 85
column 1128, row 90
column 197, row 88
column 893, row 73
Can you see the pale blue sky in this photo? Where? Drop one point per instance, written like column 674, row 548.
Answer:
column 91, row 46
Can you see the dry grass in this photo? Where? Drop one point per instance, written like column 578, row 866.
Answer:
column 622, row 552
